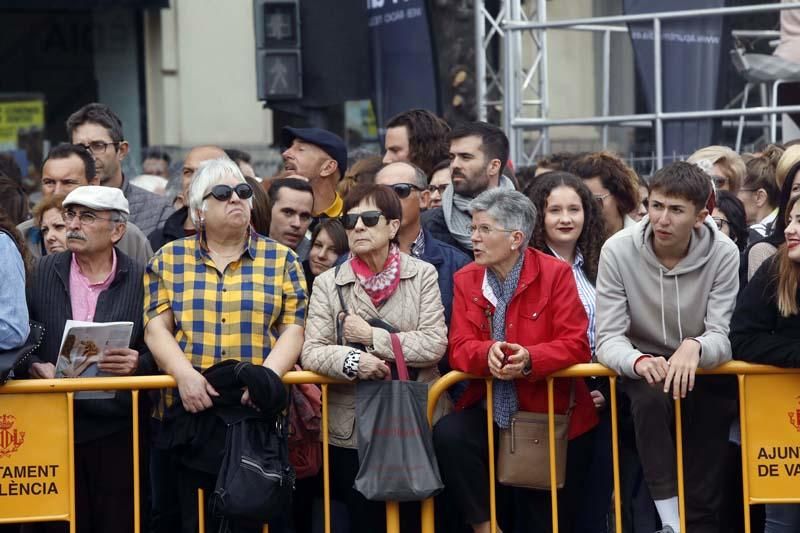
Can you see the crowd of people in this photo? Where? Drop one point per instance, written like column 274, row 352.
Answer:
column 473, row 264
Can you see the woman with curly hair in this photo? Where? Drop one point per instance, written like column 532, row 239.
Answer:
column 614, row 185
column 570, row 226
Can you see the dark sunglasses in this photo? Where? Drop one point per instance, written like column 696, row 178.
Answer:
column 369, row 218
column 404, row 189
column 223, row 192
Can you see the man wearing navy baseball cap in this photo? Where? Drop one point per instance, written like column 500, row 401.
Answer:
column 320, row 156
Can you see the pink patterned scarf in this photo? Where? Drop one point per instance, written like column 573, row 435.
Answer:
column 382, row 285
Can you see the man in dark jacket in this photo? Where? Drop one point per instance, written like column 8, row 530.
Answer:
column 94, row 282
column 478, row 155
column 179, row 224
column 410, row 184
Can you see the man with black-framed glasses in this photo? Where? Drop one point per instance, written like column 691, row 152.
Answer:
column 98, row 129
column 409, row 182
column 66, row 168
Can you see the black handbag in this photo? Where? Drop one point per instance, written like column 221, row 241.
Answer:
column 256, row 480
column 16, row 357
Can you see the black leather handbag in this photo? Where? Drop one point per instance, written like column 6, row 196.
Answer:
column 16, row 357
column 256, row 480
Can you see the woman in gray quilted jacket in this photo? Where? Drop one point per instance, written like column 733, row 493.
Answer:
column 376, row 283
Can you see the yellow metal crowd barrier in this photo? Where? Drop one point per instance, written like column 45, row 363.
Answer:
column 69, row 387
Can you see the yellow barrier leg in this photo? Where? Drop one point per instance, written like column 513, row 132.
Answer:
column 201, row 512
column 71, row 455
column 551, row 437
column 392, row 517
column 679, row 456
column 490, row 434
column 326, row 479
column 136, row 480
column 745, row 463
column 615, row 455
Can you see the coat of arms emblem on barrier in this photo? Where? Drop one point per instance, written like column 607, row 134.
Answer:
column 10, row 437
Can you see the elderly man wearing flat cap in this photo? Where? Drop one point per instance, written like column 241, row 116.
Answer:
column 94, row 282
column 320, row 156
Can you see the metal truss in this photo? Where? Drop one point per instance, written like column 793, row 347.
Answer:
column 511, row 72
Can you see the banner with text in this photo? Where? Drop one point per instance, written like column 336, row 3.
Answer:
column 402, row 57
column 34, row 457
column 772, row 424
column 690, row 56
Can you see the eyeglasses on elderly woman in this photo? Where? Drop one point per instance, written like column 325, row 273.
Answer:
column 485, row 229
column 224, row 192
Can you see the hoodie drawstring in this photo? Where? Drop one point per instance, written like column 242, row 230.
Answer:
column 663, row 322
column 678, row 297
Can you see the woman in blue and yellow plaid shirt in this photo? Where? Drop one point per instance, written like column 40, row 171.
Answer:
column 225, row 293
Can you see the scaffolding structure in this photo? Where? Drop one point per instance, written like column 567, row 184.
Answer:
column 513, row 79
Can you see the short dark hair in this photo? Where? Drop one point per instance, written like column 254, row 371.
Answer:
column 427, row 136
column 96, row 113
column 290, row 183
column 384, row 198
column 683, row 180
column 733, row 209
column 441, row 165
column 238, row 155
column 620, row 179
column 10, row 168
column 559, row 160
column 67, row 150
column 13, row 200
column 336, row 232
column 494, row 142
column 261, row 212
column 156, row 152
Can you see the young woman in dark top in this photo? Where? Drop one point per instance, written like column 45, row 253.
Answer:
column 765, row 328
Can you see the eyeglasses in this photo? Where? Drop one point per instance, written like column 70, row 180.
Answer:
column 98, row 147
column 485, row 229
column 369, row 218
column 404, row 189
column 720, row 222
column 223, row 192
column 600, row 197
column 720, row 181
column 438, row 188
column 86, row 217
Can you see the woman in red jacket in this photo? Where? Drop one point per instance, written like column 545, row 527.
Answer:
column 516, row 317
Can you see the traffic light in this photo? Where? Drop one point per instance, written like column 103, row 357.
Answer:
column 279, row 68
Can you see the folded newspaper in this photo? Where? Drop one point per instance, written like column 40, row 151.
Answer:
column 82, row 346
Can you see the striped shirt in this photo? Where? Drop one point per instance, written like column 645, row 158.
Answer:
column 233, row 314
column 587, row 294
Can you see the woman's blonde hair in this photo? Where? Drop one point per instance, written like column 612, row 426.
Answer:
column 789, row 159
column 728, row 160
column 787, row 274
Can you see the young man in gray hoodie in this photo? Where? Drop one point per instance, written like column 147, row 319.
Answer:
column 666, row 289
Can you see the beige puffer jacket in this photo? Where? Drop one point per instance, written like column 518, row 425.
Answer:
column 415, row 309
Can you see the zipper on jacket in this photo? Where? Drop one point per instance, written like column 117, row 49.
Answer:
column 254, row 466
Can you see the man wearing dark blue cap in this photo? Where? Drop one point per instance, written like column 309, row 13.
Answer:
column 320, row 156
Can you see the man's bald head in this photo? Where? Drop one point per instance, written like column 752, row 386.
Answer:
column 197, row 155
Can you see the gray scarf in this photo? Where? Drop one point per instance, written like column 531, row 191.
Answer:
column 459, row 218
column 505, row 402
